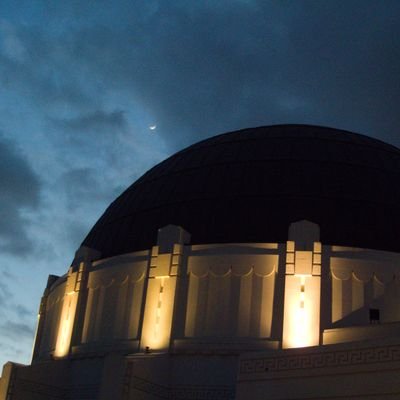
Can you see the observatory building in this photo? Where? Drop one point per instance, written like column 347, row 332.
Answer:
column 258, row 264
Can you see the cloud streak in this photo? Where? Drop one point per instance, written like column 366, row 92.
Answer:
column 98, row 121
column 20, row 191
column 12, row 329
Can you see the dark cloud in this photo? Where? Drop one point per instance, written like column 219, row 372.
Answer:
column 85, row 80
column 40, row 84
column 7, row 297
column 82, row 180
column 22, row 312
column 201, row 68
column 5, row 293
column 75, row 233
column 266, row 62
column 14, row 329
column 82, row 188
column 20, row 191
column 98, row 121
column 196, row 69
column 7, row 274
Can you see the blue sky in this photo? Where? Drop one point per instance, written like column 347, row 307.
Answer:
column 81, row 82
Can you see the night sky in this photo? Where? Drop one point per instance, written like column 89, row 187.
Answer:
column 94, row 93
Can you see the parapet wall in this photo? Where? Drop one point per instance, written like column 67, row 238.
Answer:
column 233, row 297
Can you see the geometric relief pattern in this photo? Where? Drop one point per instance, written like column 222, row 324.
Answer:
column 340, row 358
column 179, row 392
column 224, row 301
column 27, row 389
column 31, row 389
column 202, row 392
column 113, row 305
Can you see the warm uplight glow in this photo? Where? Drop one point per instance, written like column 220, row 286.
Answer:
column 66, row 325
column 301, row 325
column 301, row 315
column 157, row 322
column 158, row 310
column 301, row 320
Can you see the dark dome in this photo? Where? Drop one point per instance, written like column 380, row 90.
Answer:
column 249, row 185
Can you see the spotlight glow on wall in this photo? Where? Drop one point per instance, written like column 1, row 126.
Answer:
column 301, row 324
column 66, row 325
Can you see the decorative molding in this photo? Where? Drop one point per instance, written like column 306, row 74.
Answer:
column 88, row 392
column 236, row 264
column 34, row 389
column 37, row 388
column 344, row 268
column 149, row 387
column 219, row 345
column 178, row 392
column 202, row 392
column 340, row 358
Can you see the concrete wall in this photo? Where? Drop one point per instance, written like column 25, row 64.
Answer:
column 367, row 370
column 189, row 311
column 200, row 292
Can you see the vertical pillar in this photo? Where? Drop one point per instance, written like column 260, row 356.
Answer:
column 41, row 318
column 166, row 260
column 302, row 298
column 75, row 291
column 278, row 305
column 326, row 290
column 7, row 380
column 82, row 264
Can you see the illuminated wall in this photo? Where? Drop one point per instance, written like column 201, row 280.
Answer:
column 260, row 293
column 114, row 300
column 302, row 298
column 230, row 294
column 160, row 298
column 53, row 307
column 67, row 316
column 363, row 279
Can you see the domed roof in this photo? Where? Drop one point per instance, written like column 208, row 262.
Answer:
column 249, row 185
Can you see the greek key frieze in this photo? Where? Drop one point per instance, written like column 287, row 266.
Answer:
column 321, row 360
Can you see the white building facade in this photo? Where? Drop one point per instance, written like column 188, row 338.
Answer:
column 298, row 318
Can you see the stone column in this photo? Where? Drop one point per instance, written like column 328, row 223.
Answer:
column 42, row 318
column 72, row 314
column 302, row 298
column 166, row 259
